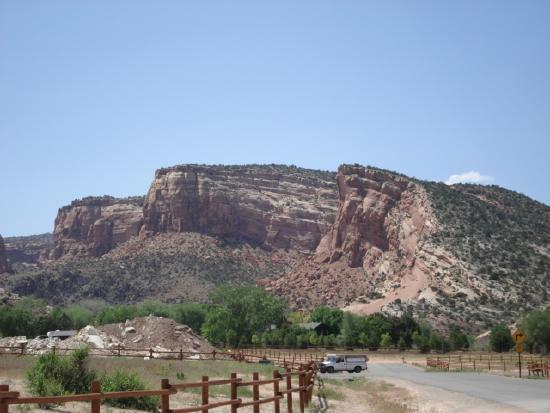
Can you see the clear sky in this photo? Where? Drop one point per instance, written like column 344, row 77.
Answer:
column 96, row 95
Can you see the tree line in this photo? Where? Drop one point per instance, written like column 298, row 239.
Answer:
column 238, row 316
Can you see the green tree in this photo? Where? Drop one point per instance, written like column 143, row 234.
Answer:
column 348, row 329
column 331, row 317
column 458, row 340
column 191, row 314
column 238, row 312
column 385, row 341
column 500, row 339
column 537, row 328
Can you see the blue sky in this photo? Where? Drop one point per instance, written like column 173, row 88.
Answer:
column 96, row 95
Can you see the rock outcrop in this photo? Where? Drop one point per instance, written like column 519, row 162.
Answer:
column 31, row 249
column 371, row 247
column 4, row 265
column 272, row 206
column 94, row 225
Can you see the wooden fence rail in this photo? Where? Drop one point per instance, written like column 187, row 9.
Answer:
column 240, row 355
column 536, row 365
column 305, row 375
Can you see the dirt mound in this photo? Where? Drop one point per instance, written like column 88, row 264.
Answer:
column 156, row 332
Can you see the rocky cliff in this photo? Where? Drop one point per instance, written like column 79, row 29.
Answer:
column 272, row 206
column 4, row 265
column 372, row 246
column 363, row 239
column 466, row 254
column 28, row 250
column 95, row 225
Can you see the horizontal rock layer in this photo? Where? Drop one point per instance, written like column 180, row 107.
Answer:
column 273, row 206
column 270, row 205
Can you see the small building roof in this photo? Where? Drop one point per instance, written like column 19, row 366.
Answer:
column 309, row 326
column 62, row 333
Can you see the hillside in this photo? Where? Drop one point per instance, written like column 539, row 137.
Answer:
column 169, row 267
column 363, row 238
column 463, row 254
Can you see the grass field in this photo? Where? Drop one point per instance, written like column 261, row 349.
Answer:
column 13, row 372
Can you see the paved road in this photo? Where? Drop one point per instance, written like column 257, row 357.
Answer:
column 531, row 395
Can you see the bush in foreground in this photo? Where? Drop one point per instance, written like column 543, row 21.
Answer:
column 121, row 380
column 54, row 375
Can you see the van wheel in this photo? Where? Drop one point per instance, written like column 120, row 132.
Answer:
column 323, row 370
column 330, row 369
column 350, row 371
column 357, row 369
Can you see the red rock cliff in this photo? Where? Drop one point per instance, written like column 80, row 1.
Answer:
column 273, row 206
column 95, row 225
column 371, row 246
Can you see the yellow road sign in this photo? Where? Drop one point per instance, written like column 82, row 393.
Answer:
column 519, row 336
column 519, row 348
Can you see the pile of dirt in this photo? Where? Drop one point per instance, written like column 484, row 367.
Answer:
column 156, row 332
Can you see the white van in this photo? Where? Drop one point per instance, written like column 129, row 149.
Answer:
column 341, row 362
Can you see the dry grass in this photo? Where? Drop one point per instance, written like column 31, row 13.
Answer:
column 364, row 395
column 13, row 371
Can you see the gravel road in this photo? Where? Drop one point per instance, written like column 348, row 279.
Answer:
column 530, row 395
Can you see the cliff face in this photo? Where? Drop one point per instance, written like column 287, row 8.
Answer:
column 372, row 245
column 4, row 265
column 94, row 225
column 30, row 249
column 272, row 206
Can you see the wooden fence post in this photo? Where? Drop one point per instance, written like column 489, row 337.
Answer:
column 96, row 403
column 165, row 398
column 276, row 393
column 181, row 353
column 256, row 392
column 151, row 353
column 233, row 391
column 289, row 394
column 301, row 392
column 4, row 406
column 205, row 390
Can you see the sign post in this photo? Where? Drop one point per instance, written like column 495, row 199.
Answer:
column 519, row 338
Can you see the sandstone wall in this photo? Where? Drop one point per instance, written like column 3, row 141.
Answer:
column 370, row 249
column 273, row 206
column 30, row 249
column 95, row 225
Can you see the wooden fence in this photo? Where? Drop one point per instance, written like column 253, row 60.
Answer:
column 305, row 375
column 534, row 364
column 278, row 357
